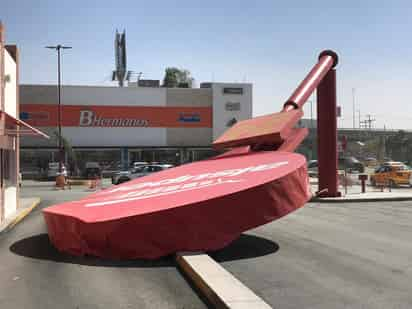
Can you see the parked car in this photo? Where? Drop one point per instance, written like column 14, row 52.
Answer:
column 139, row 164
column 121, row 176
column 391, row 173
column 351, row 164
column 92, row 170
column 141, row 171
column 370, row 161
column 149, row 169
column 110, row 168
column 53, row 170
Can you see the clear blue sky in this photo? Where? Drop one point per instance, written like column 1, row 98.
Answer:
column 269, row 43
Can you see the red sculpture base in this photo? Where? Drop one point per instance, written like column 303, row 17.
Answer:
column 200, row 206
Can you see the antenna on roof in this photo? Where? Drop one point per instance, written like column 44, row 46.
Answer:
column 120, row 73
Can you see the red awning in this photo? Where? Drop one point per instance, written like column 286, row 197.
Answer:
column 16, row 127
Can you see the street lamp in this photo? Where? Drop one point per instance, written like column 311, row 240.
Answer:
column 58, row 48
column 311, row 114
column 311, row 135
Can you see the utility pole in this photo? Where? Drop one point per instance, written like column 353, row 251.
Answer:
column 353, row 106
column 369, row 121
column 311, row 114
column 59, row 113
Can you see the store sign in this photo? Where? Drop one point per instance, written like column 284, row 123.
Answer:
column 34, row 116
column 232, row 106
column 117, row 116
column 228, row 90
column 189, row 117
column 91, row 119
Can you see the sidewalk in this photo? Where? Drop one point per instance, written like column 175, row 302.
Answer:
column 372, row 194
column 26, row 206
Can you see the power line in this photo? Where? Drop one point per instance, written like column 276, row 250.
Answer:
column 367, row 123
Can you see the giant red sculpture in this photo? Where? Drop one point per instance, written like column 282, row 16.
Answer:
column 203, row 205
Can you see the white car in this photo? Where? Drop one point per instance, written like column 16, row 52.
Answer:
column 139, row 164
column 141, row 171
column 53, row 170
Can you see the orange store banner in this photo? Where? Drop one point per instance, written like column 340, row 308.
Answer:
column 45, row 115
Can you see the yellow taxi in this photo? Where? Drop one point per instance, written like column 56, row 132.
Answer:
column 391, row 174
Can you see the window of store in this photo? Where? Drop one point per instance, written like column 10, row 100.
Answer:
column 109, row 160
column 168, row 156
column 162, row 156
column 202, row 154
column 34, row 162
column 9, row 175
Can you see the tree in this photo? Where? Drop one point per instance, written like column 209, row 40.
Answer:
column 398, row 146
column 69, row 154
column 175, row 77
column 170, row 79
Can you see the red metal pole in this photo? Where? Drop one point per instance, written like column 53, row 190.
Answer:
column 327, row 60
column 363, row 185
column 327, row 136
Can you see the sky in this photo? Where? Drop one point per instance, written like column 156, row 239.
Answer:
column 272, row 44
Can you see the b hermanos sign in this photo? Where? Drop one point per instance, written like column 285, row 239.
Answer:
column 91, row 119
column 45, row 115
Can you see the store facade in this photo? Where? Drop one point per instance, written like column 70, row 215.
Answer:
column 11, row 128
column 118, row 126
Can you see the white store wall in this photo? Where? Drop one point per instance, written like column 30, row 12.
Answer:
column 89, row 95
column 221, row 116
column 10, row 71
column 140, row 96
column 10, row 200
column 93, row 95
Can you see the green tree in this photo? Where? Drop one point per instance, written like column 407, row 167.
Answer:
column 175, row 77
column 398, row 146
column 69, row 154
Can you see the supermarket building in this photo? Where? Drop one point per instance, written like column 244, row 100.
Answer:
column 116, row 126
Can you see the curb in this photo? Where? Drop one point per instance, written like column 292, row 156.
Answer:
column 21, row 214
column 357, row 200
column 216, row 284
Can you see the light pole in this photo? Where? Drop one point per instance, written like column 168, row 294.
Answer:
column 353, row 106
column 59, row 118
column 311, row 135
column 311, row 114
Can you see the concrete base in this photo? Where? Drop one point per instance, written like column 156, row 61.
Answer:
column 219, row 286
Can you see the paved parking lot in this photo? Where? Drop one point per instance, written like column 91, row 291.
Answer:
column 356, row 255
column 34, row 275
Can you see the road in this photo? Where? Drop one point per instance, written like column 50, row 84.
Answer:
column 354, row 255
column 34, row 275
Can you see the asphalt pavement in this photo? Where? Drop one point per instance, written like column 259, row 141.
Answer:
column 348, row 255
column 34, row 275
